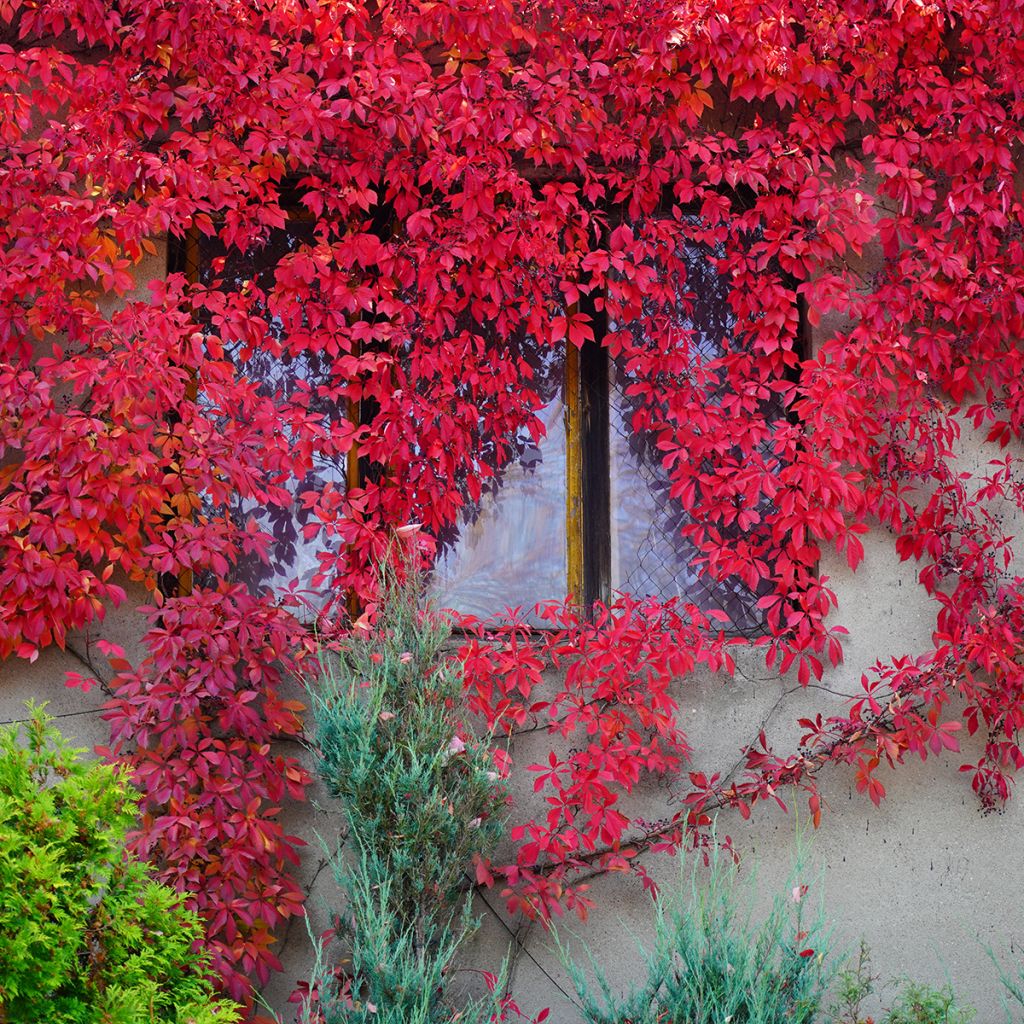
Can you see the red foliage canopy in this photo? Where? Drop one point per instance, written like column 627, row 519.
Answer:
column 471, row 170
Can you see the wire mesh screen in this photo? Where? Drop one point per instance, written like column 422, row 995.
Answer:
column 284, row 376
column 651, row 556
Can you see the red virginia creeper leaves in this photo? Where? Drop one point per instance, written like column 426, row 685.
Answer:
column 462, row 197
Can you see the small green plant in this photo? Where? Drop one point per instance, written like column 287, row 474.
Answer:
column 916, row 1003
column 711, row 964
column 854, row 985
column 86, row 936
column 922, row 1004
column 419, row 798
column 1013, row 986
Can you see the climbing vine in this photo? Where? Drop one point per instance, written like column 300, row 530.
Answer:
column 469, row 174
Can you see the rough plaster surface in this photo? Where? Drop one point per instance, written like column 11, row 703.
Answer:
column 928, row 880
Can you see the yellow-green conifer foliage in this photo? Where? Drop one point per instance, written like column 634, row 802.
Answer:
column 86, row 936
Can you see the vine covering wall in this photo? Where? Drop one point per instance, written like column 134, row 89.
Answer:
column 473, row 173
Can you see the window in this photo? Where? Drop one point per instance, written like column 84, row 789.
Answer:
column 588, row 510
column 511, row 547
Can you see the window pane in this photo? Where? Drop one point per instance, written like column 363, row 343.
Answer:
column 649, row 555
column 510, row 547
column 292, row 557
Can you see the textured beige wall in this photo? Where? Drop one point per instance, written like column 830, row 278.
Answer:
column 926, row 878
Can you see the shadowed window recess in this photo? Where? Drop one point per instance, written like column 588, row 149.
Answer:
column 299, row 375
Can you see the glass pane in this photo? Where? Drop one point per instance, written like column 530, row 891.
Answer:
column 292, row 557
column 510, row 547
column 649, row 555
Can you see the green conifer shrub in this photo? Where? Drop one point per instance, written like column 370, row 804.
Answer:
column 711, row 963
column 419, row 798
column 86, row 937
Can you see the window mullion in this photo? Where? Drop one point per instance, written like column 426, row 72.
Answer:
column 595, row 462
column 574, row 474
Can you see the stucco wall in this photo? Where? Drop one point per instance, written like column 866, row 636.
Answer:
column 926, row 879
column 929, row 881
